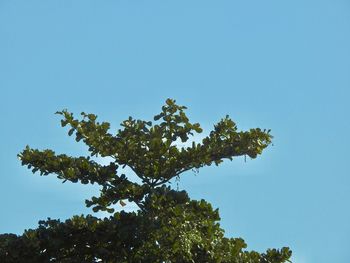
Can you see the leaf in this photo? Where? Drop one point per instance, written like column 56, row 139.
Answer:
column 70, row 132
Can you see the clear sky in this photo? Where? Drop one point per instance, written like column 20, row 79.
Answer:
column 283, row 65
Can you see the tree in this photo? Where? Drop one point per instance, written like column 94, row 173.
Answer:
column 168, row 226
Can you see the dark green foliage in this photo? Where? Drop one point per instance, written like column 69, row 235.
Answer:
column 168, row 227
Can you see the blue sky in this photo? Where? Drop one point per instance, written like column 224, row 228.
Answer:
column 282, row 65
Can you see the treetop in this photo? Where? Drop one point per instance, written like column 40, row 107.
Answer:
column 149, row 148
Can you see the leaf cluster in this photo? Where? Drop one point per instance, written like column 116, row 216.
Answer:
column 169, row 226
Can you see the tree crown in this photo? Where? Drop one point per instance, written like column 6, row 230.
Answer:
column 169, row 226
column 149, row 148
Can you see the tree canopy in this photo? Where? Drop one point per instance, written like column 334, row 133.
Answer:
column 168, row 226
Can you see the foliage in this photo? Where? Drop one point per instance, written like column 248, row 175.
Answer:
column 168, row 226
